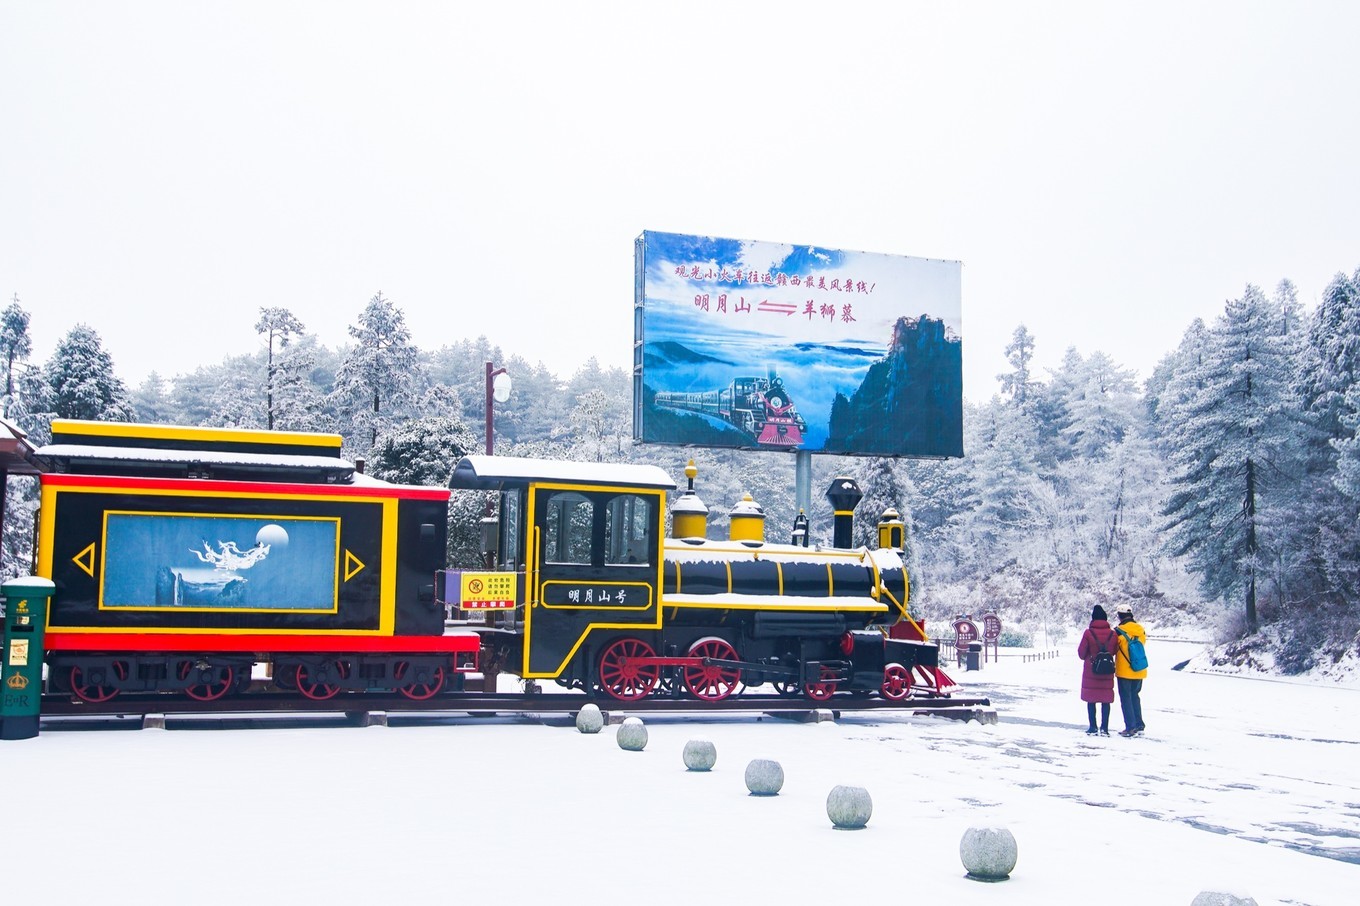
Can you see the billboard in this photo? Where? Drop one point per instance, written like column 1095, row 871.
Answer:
column 771, row 346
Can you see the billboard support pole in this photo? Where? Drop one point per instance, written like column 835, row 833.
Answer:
column 802, row 480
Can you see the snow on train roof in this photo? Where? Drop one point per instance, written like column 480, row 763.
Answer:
column 490, row 472
column 91, row 455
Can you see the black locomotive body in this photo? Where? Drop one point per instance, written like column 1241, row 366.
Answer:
column 606, row 602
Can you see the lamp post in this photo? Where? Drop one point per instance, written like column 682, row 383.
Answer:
column 497, row 389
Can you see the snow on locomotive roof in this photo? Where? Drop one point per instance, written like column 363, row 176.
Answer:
column 490, row 472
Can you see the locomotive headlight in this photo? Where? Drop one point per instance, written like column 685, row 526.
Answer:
column 489, row 526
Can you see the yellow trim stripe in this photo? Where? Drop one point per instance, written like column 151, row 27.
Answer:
column 133, row 430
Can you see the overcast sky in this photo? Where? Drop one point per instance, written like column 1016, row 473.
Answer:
column 1105, row 172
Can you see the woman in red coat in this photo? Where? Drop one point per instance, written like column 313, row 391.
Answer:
column 1096, row 687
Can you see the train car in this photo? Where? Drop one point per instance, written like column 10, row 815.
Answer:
column 603, row 601
column 189, row 560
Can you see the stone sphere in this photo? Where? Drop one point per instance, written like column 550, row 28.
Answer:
column 764, row 777
column 1219, row 898
column 589, row 719
column 849, row 807
column 700, row 755
column 989, row 853
column 632, row 735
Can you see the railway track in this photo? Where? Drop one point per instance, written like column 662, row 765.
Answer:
column 58, row 709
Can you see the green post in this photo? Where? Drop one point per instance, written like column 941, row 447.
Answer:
column 21, row 658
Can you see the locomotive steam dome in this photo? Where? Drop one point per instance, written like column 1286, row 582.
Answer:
column 747, row 520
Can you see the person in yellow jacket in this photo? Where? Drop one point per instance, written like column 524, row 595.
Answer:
column 1128, row 680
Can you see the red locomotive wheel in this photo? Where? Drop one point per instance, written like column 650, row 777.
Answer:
column 712, row 684
column 318, row 691
column 211, row 689
column 622, row 679
column 94, row 694
column 823, row 690
column 896, row 682
column 418, row 692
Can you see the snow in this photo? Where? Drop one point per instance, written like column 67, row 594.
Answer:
column 1242, row 784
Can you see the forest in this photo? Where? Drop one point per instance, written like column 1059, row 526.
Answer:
column 1219, row 494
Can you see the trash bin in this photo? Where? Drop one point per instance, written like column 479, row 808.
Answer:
column 974, row 656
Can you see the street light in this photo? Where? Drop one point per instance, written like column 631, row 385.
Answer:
column 498, row 389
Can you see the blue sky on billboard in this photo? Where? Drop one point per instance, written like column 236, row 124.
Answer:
column 768, row 345
column 1105, row 172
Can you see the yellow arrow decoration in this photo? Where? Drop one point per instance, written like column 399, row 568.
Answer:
column 352, row 565
column 80, row 558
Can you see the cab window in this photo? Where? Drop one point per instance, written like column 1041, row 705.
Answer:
column 567, row 528
column 628, row 529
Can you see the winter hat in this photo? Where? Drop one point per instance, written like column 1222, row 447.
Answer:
column 1125, row 611
column 1098, row 613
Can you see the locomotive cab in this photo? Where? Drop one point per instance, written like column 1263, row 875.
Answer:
column 585, row 542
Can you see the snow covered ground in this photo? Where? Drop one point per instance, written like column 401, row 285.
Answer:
column 1241, row 784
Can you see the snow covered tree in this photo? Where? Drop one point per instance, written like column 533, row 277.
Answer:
column 1017, row 383
column 15, row 345
column 81, row 380
column 150, row 402
column 599, row 427
column 1228, row 428
column 299, row 402
column 378, row 371
column 1329, row 388
column 277, row 325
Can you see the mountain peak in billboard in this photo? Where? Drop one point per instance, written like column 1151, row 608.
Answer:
column 763, row 345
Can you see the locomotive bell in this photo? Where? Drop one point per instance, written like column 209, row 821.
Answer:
column 844, row 495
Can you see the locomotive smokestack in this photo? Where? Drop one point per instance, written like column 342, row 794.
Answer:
column 844, row 495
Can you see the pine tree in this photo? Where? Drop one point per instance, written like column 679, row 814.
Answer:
column 82, row 382
column 1329, row 388
column 278, row 325
column 1229, row 426
column 1017, row 383
column 1101, row 406
column 15, row 345
column 378, row 372
column 150, row 403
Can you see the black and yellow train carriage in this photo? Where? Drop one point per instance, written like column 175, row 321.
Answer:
column 605, row 601
column 191, row 559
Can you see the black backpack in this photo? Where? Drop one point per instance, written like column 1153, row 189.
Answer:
column 1103, row 663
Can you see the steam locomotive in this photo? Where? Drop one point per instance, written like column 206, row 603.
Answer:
column 758, row 407
column 195, row 560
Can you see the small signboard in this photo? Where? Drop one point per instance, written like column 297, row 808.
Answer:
column 487, row 591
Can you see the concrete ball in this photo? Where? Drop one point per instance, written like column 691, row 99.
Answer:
column 1220, row 898
column 700, row 755
column 849, row 807
column 589, row 719
column 989, row 853
column 764, row 777
column 632, row 735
